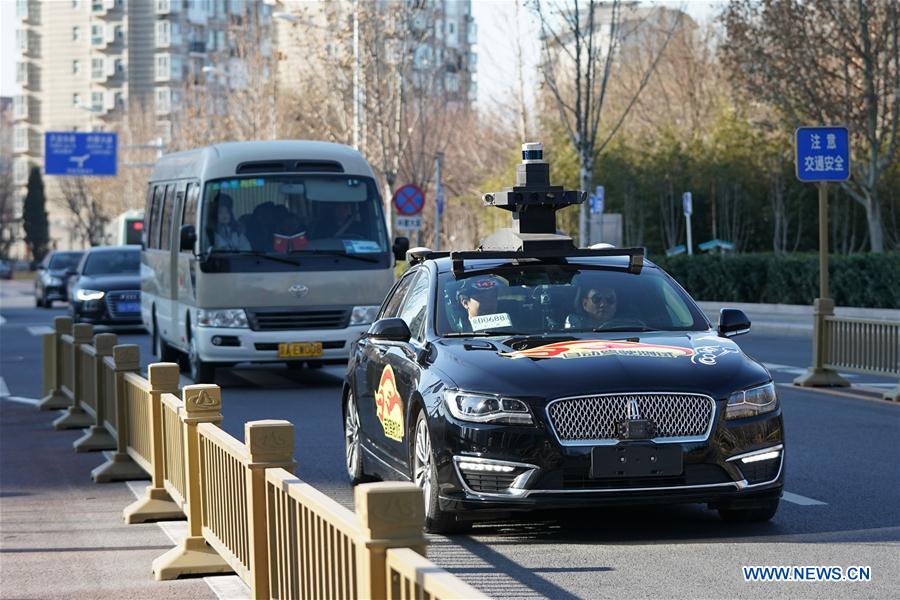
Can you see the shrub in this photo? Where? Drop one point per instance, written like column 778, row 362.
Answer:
column 861, row 280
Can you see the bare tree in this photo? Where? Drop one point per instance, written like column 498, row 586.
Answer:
column 88, row 216
column 582, row 43
column 8, row 219
column 827, row 62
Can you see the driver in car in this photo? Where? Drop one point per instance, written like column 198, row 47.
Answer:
column 478, row 298
column 595, row 306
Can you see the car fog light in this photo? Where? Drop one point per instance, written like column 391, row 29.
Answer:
column 758, row 457
column 473, row 466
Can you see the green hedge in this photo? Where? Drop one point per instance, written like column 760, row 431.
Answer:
column 861, row 280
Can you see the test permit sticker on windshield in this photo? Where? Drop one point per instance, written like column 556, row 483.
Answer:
column 360, row 246
column 482, row 322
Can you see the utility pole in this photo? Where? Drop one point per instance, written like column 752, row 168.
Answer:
column 356, row 97
column 439, row 199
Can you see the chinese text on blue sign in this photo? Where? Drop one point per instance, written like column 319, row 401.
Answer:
column 823, row 154
column 79, row 154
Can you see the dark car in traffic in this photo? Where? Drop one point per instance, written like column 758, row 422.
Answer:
column 106, row 289
column 51, row 280
column 532, row 374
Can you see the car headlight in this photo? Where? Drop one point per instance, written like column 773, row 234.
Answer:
column 86, row 295
column 752, row 402
column 363, row 315
column 482, row 408
column 222, row 317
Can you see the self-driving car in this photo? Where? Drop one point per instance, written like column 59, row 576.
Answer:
column 531, row 374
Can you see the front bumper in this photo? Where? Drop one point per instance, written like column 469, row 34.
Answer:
column 54, row 292
column 97, row 312
column 246, row 345
column 548, row 475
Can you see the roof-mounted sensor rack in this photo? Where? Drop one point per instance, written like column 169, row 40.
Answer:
column 635, row 256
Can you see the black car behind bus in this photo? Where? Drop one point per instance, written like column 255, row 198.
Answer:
column 106, row 289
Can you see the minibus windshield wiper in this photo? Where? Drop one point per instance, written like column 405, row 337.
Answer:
column 259, row 253
column 369, row 259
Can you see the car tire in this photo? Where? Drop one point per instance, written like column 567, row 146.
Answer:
column 48, row 303
column 424, row 475
column 758, row 513
column 200, row 371
column 161, row 349
column 353, row 453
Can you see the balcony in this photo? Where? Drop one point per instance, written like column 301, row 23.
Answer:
column 21, row 166
column 28, row 12
column 28, row 75
column 26, row 140
column 108, row 37
column 28, row 42
column 103, row 8
column 168, row 7
column 196, row 48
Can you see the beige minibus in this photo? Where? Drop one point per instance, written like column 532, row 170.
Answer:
column 272, row 251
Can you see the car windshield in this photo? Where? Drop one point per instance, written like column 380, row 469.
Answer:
column 293, row 214
column 124, row 262
column 64, row 260
column 541, row 298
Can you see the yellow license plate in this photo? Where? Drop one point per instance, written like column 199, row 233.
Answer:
column 299, row 349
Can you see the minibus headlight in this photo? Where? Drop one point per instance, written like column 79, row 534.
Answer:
column 86, row 295
column 363, row 315
column 222, row 317
column 752, row 402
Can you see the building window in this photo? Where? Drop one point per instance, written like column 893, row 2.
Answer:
column 97, row 35
column 76, row 33
column 162, row 67
column 118, row 66
column 20, row 139
column 20, row 107
column 96, row 101
column 96, row 68
column 163, row 101
column 76, row 66
column 163, row 33
column 76, row 99
column 22, row 73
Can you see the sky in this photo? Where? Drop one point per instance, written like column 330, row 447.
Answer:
column 495, row 19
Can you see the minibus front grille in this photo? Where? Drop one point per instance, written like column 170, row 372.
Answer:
column 282, row 319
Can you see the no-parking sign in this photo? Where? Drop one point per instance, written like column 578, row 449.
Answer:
column 409, row 200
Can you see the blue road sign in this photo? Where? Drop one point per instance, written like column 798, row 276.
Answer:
column 823, row 154
column 409, row 200
column 77, row 154
column 598, row 201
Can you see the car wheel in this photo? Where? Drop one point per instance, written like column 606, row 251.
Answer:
column 48, row 303
column 200, row 371
column 425, row 476
column 161, row 349
column 37, row 301
column 352, row 444
column 758, row 513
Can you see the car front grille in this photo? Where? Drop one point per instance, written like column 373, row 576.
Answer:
column 290, row 318
column 115, row 300
column 592, row 419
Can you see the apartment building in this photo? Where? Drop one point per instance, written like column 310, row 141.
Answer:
column 83, row 65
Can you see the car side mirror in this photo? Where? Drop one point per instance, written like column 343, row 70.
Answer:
column 401, row 245
column 733, row 322
column 391, row 330
column 188, row 238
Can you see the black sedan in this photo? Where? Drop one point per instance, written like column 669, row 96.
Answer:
column 502, row 385
column 52, row 277
column 106, row 290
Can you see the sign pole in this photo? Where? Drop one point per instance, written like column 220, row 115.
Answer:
column 690, row 241
column 687, row 205
column 823, row 240
column 438, row 206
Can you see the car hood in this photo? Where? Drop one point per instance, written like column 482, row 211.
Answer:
column 108, row 283
column 579, row 364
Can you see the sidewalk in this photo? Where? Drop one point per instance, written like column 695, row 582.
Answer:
column 62, row 535
column 791, row 319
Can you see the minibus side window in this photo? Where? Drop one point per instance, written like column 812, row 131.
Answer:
column 155, row 210
column 189, row 216
column 165, row 232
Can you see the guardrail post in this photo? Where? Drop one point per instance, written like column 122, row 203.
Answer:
column 202, row 404
column 96, row 437
column 817, row 375
column 392, row 516
column 156, row 504
column 75, row 417
column 271, row 445
column 119, row 466
column 54, row 398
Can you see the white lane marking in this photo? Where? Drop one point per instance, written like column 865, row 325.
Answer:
column 39, row 330
column 21, row 400
column 802, row 500
column 225, row 587
column 4, row 390
column 798, row 371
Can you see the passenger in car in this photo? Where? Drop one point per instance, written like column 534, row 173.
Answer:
column 594, row 307
column 478, row 298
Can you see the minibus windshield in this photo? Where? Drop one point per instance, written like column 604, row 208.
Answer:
column 288, row 214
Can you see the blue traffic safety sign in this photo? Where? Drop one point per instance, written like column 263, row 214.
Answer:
column 409, row 200
column 598, row 201
column 823, row 154
column 78, row 154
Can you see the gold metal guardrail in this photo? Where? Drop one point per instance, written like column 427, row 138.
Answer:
column 246, row 512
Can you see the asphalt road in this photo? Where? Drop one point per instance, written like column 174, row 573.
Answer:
column 842, row 507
